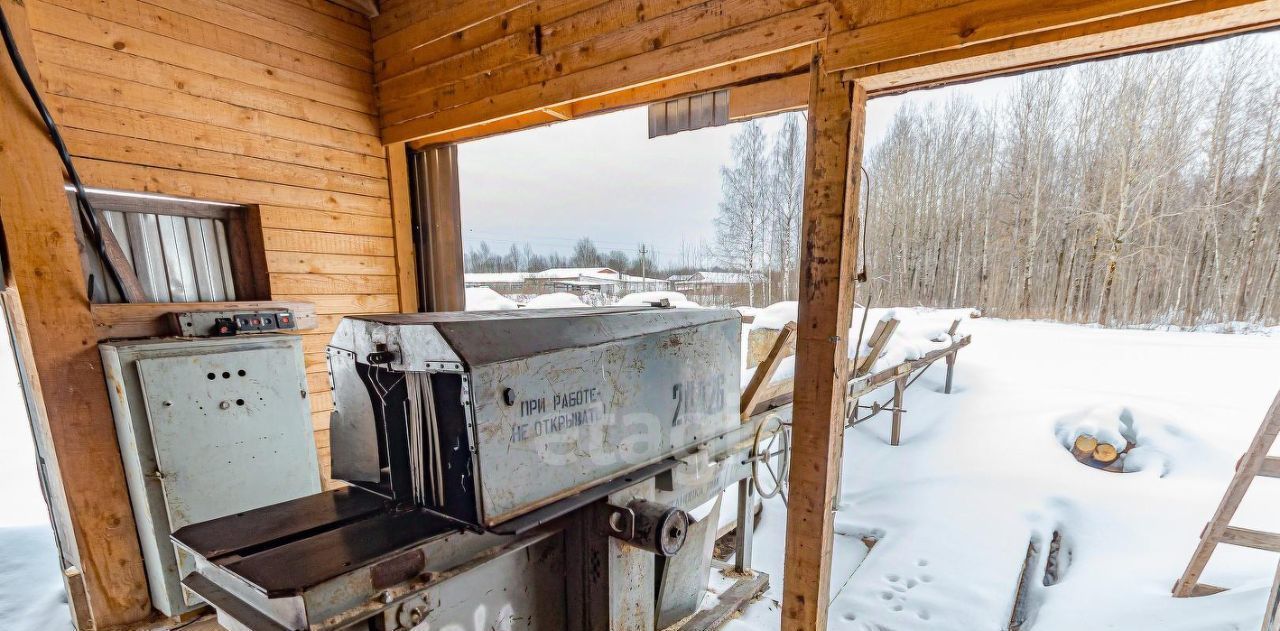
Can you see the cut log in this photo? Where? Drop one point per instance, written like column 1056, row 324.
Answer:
column 1084, row 446
column 1105, row 453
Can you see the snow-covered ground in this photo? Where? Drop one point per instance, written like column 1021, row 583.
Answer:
column 983, row 470
column 979, row 473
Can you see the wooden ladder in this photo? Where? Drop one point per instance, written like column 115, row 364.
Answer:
column 1252, row 464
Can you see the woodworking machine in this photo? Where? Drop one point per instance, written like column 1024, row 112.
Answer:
column 529, row 469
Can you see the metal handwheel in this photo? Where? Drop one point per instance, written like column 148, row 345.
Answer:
column 773, row 457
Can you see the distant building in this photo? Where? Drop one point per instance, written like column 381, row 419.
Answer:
column 717, row 289
column 696, row 280
column 497, row 281
column 578, row 280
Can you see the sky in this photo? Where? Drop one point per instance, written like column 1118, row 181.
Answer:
column 602, row 177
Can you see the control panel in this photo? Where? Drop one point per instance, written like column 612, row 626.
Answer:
column 229, row 323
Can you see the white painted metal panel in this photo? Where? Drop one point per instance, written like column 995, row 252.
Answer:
column 144, row 239
column 196, row 448
column 176, row 258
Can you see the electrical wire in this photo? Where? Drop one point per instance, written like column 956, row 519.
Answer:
column 88, row 219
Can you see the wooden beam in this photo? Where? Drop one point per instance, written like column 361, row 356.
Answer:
column 423, row 23
column 828, row 253
column 751, row 395
column 784, row 94
column 44, row 262
column 784, row 32
column 1257, row 539
column 785, row 64
column 152, row 319
column 402, row 225
column 367, row 8
column 1270, row 467
column 966, row 24
column 1134, row 32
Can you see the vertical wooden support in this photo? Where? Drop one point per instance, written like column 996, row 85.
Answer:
column 899, row 388
column 829, row 230
column 73, row 411
column 951, row 369
column 402, row 226
column 1271, row 619
column 440, row 218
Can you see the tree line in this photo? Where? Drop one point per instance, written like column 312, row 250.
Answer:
column 523, row 258
column 1133, row 191
column 1139, row 190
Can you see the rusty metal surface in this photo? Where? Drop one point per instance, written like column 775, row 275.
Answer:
column 534, row 519
column 397, row 569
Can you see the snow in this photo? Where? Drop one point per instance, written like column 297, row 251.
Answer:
column 775, row 316
column 32, row 597
column 481, row 278
column 485, row 299
column 919, row 332
column 575, row 272
column 979, row 473
column 558, row 299
column 643, row 298
column 982, row 471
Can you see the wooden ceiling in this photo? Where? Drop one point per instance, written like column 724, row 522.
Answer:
column 451, row 70
column 367, row 7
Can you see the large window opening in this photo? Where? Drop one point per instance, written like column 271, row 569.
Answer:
column 1123, row 194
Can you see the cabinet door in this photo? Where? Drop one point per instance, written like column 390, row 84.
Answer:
column 232, row 431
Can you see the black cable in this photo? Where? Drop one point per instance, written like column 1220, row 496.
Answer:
column 88, row 219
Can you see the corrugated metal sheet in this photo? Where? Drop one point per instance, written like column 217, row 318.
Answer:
column 688, row 113
column 177, row 258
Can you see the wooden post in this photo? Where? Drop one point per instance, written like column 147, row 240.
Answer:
column 951, row 369
column 440, row 217
column 829, row 229
column 1271, row 618
column 899, row 387
column 951, row 357
column 402, row 226
column 72, row 410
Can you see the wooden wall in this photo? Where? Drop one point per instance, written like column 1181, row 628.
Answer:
column 444, row 67
column 450, row 70
column 265, row 102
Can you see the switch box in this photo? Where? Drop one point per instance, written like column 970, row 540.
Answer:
column 207, row 428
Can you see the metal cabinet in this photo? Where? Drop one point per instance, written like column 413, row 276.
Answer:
column 207, row 428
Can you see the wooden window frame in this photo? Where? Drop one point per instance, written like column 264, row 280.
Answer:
column 247, row 252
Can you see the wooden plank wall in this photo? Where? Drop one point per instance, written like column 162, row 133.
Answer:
column 449, row 70
column 444, row 66
column 265, row 102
